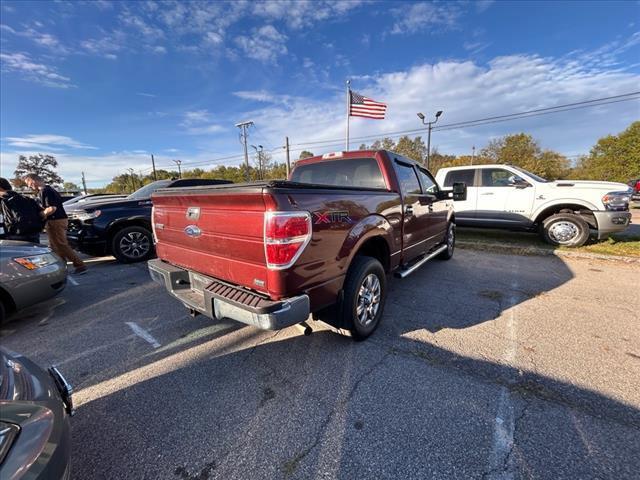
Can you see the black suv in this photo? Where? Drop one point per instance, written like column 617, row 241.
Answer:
column 121, row 227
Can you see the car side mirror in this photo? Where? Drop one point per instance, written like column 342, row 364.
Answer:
column 518, row 182
column 459, row 192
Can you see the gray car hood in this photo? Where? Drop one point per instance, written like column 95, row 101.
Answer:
column 14, row 248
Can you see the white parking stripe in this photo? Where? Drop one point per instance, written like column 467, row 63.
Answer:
column 73, row 281
column 501, row 461
column 143, row 334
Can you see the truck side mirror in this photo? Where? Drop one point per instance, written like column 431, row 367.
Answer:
column 459, row 191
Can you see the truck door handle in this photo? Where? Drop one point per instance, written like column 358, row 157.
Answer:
column 408, row 210
column 488, row 193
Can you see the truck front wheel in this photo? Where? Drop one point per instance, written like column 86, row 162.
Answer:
column 365, row 292
column 565, row 229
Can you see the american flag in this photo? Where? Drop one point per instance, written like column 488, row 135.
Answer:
column 361, row 106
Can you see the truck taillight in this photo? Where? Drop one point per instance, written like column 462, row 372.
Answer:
column 286, row 234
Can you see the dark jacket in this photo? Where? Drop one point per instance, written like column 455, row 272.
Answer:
column 20, row 215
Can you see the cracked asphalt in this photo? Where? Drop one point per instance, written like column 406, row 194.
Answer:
column 488, row 366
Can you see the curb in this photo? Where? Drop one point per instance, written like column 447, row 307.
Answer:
column 533, row 251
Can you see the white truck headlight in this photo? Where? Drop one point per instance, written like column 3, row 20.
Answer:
column 616, row 200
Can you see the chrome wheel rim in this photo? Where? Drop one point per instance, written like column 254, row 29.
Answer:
column 368, row 300
column 563, row 232
column 135, row 245
column 451, row 239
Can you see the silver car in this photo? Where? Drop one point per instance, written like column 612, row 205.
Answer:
column 29, row 274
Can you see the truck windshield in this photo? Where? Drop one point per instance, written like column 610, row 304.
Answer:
column 146, row 191
column 535, row 177
column 351, row 172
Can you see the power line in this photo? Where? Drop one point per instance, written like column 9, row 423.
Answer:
column 487, row 120
column 452, row 126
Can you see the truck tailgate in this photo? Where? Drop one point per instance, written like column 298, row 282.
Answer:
column 216, row 232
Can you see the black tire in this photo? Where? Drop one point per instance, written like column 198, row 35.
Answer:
column 3, row 312
column 565, row 229
column 132, row 244
column 364, row 269
column 450, row 242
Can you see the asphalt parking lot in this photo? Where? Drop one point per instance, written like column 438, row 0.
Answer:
column 488, row 366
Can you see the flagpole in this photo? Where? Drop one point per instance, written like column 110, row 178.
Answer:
column 348, row 111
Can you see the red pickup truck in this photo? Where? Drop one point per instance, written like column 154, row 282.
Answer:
column 271, row 253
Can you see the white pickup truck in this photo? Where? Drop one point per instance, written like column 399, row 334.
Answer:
column 563, row 211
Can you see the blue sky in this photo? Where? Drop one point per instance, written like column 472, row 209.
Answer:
column 103, row 85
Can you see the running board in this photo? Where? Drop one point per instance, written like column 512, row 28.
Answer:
column 417, row 265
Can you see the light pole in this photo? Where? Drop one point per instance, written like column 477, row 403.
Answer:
column 429, row 127
column 258, row 150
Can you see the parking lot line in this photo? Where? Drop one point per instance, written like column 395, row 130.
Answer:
column 143, row 334
column 73, row 281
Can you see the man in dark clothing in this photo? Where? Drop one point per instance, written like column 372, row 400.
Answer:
column 57, row 221
column 21, row 218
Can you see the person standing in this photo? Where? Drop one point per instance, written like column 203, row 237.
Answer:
column 57, row 221
column 21, row 218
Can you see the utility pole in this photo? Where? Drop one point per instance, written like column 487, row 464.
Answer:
column 178, row 163
column 473, row 154
column 286, row 146
column 153, row 162
column 258, row 150
column 244, row 127
column 429, row 127
column 133, row 180
column 84, row 184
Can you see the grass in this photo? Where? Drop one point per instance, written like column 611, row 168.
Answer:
column 626, row 245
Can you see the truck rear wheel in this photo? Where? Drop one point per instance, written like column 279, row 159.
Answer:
column 365, row 292
column 132, row 244
column 565, row 229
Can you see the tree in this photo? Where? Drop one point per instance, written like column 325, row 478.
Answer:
column 305, row 154
column 614, row 157
column 523, row 150
column 70, row 187
column 42, row 165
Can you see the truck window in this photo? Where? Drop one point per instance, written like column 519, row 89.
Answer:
column 459, row 176
column 497, row 177
column 351, row 172
column 428, row 183
column 407, row 179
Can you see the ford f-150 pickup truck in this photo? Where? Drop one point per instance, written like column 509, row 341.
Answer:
column 563, row 211
column 271, row 253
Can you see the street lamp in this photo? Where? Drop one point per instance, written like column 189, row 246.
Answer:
column 429, row 127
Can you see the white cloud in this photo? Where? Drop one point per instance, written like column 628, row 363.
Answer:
column 198, row 122
column 465, row 91
column 43, row 39
column 46, row 142
column 420, row 17
column 36, row 72
column 299, row 14
column 266, row 44
column 144, row 94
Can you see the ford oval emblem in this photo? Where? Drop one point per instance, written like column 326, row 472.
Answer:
column 192, row 230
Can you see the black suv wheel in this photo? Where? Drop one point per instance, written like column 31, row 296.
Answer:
column 132, row 244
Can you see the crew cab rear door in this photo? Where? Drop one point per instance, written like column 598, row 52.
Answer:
column 415, row 214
